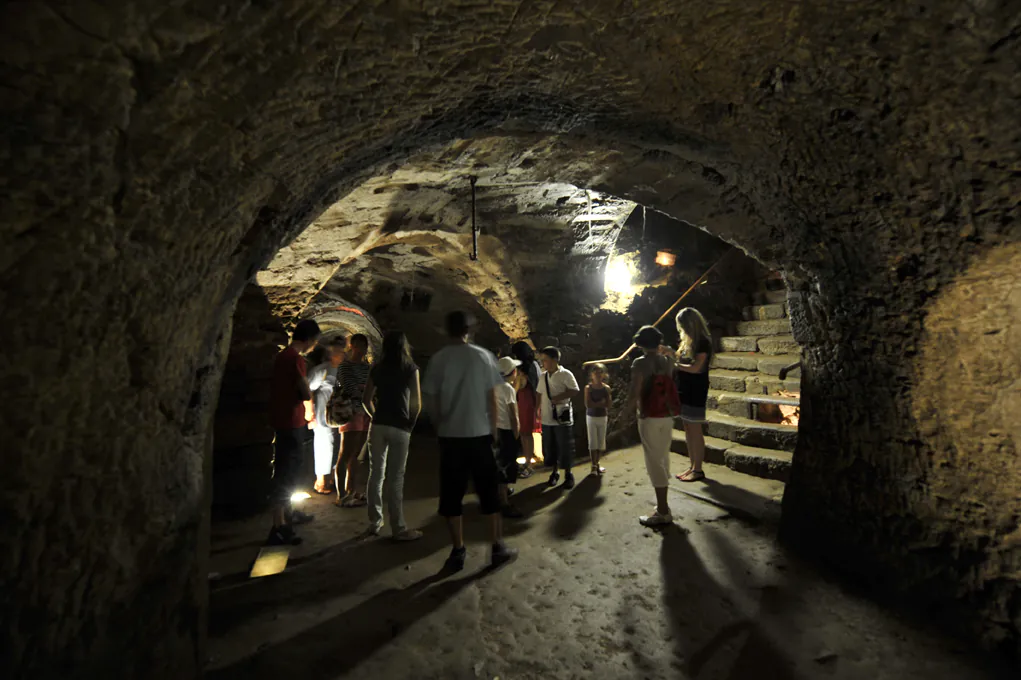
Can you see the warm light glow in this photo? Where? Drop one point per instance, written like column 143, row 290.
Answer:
column 618, row 277
column 271, row 560
column 665, row 259
column 521, row 460
column 791, row 414
column 299, row 496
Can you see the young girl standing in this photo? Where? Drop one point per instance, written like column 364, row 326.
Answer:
column 597, row 403
column 654, row 396
column 693, row 358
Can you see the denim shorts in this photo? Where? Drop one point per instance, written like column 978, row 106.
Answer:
column 692, row 414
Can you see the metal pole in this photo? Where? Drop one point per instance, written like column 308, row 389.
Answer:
column 475, row 234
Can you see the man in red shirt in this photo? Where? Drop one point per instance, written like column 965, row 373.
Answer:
column 287, row 414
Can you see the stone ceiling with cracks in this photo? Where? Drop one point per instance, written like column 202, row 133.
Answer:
column 407, row 232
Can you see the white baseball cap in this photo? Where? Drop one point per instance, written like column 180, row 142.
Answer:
column 507, row 364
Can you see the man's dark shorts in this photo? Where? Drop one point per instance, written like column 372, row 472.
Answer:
column 464, row 458
column 288, row 454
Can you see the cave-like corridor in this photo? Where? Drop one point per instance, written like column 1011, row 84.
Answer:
column 835, row 186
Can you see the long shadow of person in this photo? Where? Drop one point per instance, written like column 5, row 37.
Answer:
column 333, row 573
column 697, row 602
column 571, row 516
column 341, row 643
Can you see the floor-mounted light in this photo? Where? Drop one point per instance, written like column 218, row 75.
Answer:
column 617, row 277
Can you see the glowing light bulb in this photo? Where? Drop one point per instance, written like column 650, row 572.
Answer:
column 618, row 277
column 299, row 496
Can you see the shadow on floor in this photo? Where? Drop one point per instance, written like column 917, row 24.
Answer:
column 339, row 644
column 328, row 574
column 575, row 513
column 741, row 646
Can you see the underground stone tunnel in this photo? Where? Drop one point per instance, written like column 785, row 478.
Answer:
column 182, row 181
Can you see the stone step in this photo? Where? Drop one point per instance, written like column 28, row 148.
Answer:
column 759, row 383
column 715, row 449
column 760, row 328
column 775, row 296
column 739, row 344
column 764, row 312
column 752, row 382
column 749, row 460
column 737, row 404
column 738, row 361
column 777, row 344
column 771, row 365
column 753, row 361
column 750, row 432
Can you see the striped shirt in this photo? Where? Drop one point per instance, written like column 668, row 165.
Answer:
column 352, row 378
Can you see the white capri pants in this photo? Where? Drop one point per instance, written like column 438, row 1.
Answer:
column 656, row 434
column 596, row 426
column 324, row 444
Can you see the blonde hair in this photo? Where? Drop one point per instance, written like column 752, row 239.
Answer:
column 693, row 329
column 598, row 368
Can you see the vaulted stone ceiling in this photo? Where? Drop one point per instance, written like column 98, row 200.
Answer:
column 411, row 227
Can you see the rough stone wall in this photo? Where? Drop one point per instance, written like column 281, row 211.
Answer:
column 156, row 155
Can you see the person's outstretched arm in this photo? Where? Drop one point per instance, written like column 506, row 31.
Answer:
column 367, row 394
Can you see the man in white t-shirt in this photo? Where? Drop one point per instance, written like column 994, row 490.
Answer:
column 558, row 386
column 460, row 395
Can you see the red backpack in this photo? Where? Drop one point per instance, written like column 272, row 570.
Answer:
column 659, row 397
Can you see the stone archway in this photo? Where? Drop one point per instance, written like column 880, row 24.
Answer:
column 156, row 158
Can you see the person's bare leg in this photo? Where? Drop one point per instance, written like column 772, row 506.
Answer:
column 279, row 516
column 456, row 526
column 496, row 528
column 662, row 505
column 504, row 496
column 527, row 448
column 696, row 444
column 357, row 442
column 339, row 474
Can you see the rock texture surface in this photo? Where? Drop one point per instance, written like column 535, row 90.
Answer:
column 157, row 155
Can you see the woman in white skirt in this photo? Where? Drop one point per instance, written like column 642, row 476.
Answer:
column 654, row 395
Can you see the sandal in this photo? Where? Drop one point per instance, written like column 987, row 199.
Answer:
column 598, row 470
column 691, row 476
column 353, row 501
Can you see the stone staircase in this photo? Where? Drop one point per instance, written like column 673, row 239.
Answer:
column 744, row 385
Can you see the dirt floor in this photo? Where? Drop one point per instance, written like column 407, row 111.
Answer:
column 593, row 594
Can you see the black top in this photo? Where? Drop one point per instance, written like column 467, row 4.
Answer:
column 693, row 388
column 597, row 394
column 393, row 395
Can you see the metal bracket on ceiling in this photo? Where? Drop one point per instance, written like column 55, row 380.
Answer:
column 474, row 255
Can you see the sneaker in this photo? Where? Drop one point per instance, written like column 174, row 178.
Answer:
column 408, row 535
column 554, row 479
column 299, row 517
column 656, row 519
column 456, row 560
column 511, row 512
column 569, row 482
column 501, row 554
column 283, row 536
column 375, row 528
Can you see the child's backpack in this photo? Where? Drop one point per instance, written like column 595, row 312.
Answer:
column 659, row 397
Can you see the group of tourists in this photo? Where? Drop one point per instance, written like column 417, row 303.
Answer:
column 485, row 412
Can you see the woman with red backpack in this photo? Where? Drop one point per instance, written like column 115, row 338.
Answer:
column 654, row 394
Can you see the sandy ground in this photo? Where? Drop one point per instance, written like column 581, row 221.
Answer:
column 593, row 594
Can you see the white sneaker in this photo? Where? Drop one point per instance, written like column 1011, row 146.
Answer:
column 656, row 519
column 376, row 528
column 408, row 535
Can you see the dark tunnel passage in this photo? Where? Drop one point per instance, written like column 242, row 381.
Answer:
column 183, row 183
